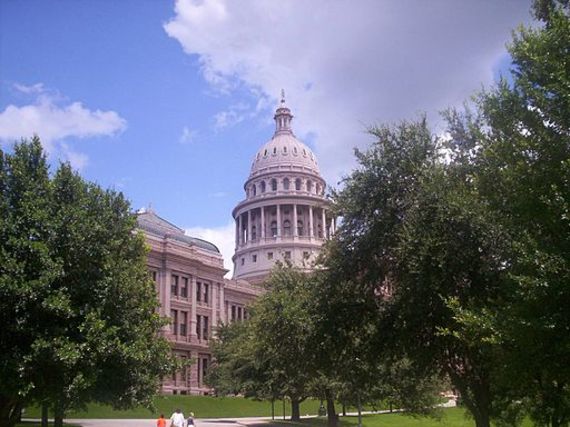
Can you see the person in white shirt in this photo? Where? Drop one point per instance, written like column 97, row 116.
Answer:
column 177, row 419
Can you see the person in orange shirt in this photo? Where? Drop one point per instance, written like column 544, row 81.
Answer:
column 161, row 422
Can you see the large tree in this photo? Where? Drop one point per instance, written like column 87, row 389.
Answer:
column 79, row 309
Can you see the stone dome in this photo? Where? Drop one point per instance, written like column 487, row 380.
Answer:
column 284, row 151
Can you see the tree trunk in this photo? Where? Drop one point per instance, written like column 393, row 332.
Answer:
column 58, row 415
column 331, row 412
column 44, row 414
column 295, row 410
column 359, row 412
column 10, row 410
column 343, row 409
column 272, row 409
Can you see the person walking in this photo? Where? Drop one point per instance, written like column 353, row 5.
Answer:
column 161, row 422
column 177, row 419
column 190, row 420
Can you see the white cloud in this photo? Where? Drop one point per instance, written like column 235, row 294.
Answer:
column 346, row 65
column 53, row 119
column 223, row 237
column 187, row 135
column 237, row 113
column 46, row 118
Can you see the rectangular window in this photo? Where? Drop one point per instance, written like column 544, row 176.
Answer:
column 206, row 293
column 239, row 313
column 269, row 255
column 153, row 276
column 205, row 327
column 199, row 326
column 174, row 321
column 184, row 288
column 305, row 255
column 174, row 285
column 233, row 312
column 242, row 261
column 198, row 291
column 183, row 322
column 205, row 363
column 254, row 258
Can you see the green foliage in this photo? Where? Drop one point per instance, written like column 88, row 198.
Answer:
column 78, row 307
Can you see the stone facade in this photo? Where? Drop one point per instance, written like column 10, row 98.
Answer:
column 285, row 216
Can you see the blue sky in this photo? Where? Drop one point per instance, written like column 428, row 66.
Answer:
column 169, row 101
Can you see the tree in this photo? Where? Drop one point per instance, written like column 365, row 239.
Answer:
column 523, row 171
column 76, row 296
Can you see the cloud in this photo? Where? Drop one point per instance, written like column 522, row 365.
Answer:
column 51, row 121
column 36, row 88
column 77, row 160
column 187, row 135
column 237, row 113
column 223, row 237
column 346, row 65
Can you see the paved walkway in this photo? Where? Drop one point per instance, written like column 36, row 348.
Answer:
column 219, row 422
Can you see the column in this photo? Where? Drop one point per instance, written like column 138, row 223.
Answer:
column 249, row 226
column 263, row 222
column 237, row 232
column 193, row 309
column 278, row 220
column 240, row 235
column 324, row 223
column 311, row 231
column 295, row 231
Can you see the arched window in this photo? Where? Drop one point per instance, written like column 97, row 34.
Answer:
column 273, row 184
column 309, row 186
column 263, row 186
column 274, row 228
column 300, row 230
column 318, row 188
column 287, row 227
column 286, row 184
column 274, row 150
column 253, row 232
column 297, row 184
column 254, row 189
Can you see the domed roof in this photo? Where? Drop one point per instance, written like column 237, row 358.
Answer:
column 284, row 150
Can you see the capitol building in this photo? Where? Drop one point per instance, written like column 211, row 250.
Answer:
column 284, row 216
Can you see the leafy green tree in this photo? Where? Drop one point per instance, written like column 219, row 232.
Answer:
column 79, row 306
column 522, row 173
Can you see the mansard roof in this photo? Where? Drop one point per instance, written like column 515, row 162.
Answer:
column 150, row 222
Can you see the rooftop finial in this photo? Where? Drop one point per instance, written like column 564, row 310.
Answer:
column 282, row 96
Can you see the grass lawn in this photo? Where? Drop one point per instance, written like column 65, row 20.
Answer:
column 451, row 417
column 202, row 406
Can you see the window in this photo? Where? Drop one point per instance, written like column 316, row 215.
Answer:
column 206, row 293
column 287, row 255
column 273, row 184
column 199, row 291
column 300, row 228
column 199, row 326
column 274, row 150
column 243, row 261
column 286, row 184
column 205, row 327
column 309, row 186
column 174, row 321
column 306, row 255
column 254, row 258
column 233, row 312
column 274, row 228
column 287, row 227
column 154, row 276
column 320, row 230
column 239, row 313
column 254, row 189
column 297, row 184
column 253, row 232
column 183, row 322
column 295, row 150
column 174, row 285
column 269, row 255
column 263, row 186
column 184, row 288
column 205, row 363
